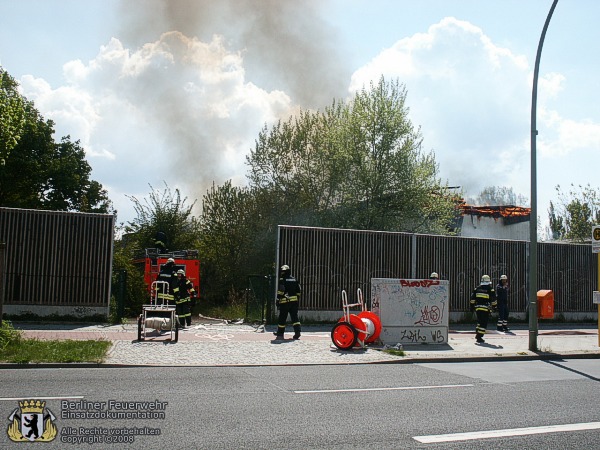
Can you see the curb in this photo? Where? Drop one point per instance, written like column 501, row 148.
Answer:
column 535, row 357
column 404, row 360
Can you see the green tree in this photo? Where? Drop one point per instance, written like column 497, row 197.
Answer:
column 296, row 168
column 164, row 211
column 235, row 241
column 12, row 115
column 357, row 165
column 557, row 228
column 43, row 174
column 575, row 213
column 390, row 182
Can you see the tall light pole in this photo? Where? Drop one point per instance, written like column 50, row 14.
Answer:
column 533, row 321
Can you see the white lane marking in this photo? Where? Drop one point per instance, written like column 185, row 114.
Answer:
column 39, row 398
column 405, row 388
column 435, row 438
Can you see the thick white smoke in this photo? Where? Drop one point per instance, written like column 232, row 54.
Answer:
column 180, row 95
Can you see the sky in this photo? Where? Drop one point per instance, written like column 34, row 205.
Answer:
column 175, row 92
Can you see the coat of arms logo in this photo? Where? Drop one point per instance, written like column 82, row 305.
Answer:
column 32, row 422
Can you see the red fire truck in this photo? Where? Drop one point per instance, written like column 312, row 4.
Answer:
column 152, row 261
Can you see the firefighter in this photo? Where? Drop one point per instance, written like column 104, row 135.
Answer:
column 184, row 292
column 434, row 276
column 483, row 300
column 160, row 242
column 167, row 273
column 288, row 295
column 502, row 294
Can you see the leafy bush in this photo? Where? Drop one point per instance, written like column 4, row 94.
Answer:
column 8, row 334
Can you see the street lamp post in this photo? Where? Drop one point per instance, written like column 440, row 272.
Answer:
column 533, row 323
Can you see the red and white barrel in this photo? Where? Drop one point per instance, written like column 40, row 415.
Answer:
column 356, row 330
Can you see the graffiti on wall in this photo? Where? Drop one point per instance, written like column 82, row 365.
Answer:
column 411, row 311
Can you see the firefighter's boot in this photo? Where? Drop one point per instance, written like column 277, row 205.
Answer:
column 297, row 331
column 280, row 332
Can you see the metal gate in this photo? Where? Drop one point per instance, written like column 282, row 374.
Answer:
column 258, row 297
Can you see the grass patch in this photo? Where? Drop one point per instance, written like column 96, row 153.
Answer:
column 41, row 351
column 15, row 349
column 394, row 352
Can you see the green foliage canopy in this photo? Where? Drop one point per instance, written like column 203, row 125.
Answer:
column 357, row 165
column 164, row 211
column 40, row 173
column 12, row 115
column 236, row 239
column 575, row 213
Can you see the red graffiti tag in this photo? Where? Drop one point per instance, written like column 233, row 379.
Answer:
column 419, row 283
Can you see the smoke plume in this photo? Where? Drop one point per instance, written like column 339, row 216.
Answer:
column 210, row 74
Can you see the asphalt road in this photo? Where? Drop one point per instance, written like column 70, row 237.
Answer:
column 317, row 407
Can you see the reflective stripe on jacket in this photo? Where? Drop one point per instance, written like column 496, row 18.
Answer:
column 182, row 291
column 288, row 289
column 483, row 298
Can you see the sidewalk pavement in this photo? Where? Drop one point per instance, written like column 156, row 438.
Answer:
column 210, row 342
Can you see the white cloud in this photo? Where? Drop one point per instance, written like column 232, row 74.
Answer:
column 177, row 110
column 460, row 88
column 567, row 137
column 183, row 110
column 472, row 99
column 549, row 86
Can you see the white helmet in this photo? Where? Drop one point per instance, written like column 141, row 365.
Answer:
column 285, row 267
column 170, row 260
column 503, row 277
column 485, row 279
column 434, row 275
column 180, row 272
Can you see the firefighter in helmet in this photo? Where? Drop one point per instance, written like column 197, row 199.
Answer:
column 483, row 300
column 502, row 294
column 168, row 274
column 434, row 276
column 184, row 292
column 288, row 295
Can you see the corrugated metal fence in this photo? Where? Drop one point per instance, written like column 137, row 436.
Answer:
column 57, row 258
column 325, row 261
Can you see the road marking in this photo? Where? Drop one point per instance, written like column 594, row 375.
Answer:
column 435, row 438
column 405, row 388
column 39, row 398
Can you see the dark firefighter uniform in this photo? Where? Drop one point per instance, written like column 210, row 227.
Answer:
column 167, row 274
column 160, row 242
column 502, row 294
column 483, row 299
column 183, row 292
column 288, row 296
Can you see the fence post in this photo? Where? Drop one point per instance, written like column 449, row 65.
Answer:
column 2, row 265
column 122, row 293
column 271, row 313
